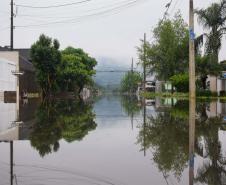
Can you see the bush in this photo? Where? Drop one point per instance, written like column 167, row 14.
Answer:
column 222, row 93
column 180, row 82
column 206, row 93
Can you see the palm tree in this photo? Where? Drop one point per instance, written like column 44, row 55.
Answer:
column 213, row 19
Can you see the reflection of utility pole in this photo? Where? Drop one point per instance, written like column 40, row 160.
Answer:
column 192, row 106
column 11, row 163
column 144, row 128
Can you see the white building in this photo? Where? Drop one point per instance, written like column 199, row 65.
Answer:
column 9, row 62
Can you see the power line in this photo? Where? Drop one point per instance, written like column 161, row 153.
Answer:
column 175, row 6
column 74, row 20
column 52, row 6
column 168, row 5
column 60, row 17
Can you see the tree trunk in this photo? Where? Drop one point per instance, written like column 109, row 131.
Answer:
column 203, row 80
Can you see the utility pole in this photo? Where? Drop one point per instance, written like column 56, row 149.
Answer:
column 192, row 93
column 12, row 26
column 192, row 88
column 132, row 66
column 144, row 64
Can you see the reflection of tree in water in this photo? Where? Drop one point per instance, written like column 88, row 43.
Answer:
column 67, row 120
column 167, row 134
column 130, row 104
column 213, row 170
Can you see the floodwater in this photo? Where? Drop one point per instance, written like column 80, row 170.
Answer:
column 113, row 140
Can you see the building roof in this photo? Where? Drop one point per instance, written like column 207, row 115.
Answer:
column 24, row 58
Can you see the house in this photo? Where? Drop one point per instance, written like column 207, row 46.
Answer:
column 217, row 84
column 25, row 67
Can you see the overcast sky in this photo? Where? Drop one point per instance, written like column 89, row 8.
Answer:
column 103, row 28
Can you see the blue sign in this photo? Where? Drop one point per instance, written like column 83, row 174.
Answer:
column 224, row 118
column 192, row 34
column 224, row 75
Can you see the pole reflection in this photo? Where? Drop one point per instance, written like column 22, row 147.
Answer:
column 192, row 112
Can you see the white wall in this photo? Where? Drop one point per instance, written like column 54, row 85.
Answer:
column 7, row 79
column 8, row 115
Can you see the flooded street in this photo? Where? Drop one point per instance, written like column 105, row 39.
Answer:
column 105, row 142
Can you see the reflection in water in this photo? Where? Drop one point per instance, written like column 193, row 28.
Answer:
column 192, row 112
column 68, row 120
column 213, row 170
column 131, row 106
column 166, row 135
column 176, row 139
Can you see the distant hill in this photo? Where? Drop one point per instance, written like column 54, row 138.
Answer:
column 110, row 72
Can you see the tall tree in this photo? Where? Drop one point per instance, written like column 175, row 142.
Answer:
column 167, row 55
column 76, row 69
column 46, row 57
column 213, row 19
column 129, row 82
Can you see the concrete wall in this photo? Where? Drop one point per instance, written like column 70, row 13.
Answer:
column 213, row 83
column 8, row 63
column 8, row 114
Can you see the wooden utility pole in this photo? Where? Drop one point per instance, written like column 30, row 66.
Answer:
column 11, row 26
column 144, row 64
column 192, row 93
column 192, row 88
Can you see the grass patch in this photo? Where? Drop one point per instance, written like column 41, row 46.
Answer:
column 151, row 95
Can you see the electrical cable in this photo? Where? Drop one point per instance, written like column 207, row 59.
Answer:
column 74, row 20
column 57, row 17
column 53, row 6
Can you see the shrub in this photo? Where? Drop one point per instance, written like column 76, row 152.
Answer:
column 206, row 93
column 222, row 93
column 180, row 82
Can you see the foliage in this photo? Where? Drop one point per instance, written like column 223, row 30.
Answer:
column 206, row 93
column 168, row 54
column 131, row 105
column 46, row 57
column 168, row 136
column 76, row 69
column 166, row 133
column 205, row 67
column 130, row 82
column 56, row 120
column 213, row 19
column 180, row 82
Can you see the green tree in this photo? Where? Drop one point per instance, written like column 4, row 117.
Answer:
column 130, row 81
column 213, row 19
column 205, row 67
column 180, row 82
column 76, row 69
column 167, row 55
column 46, row 58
